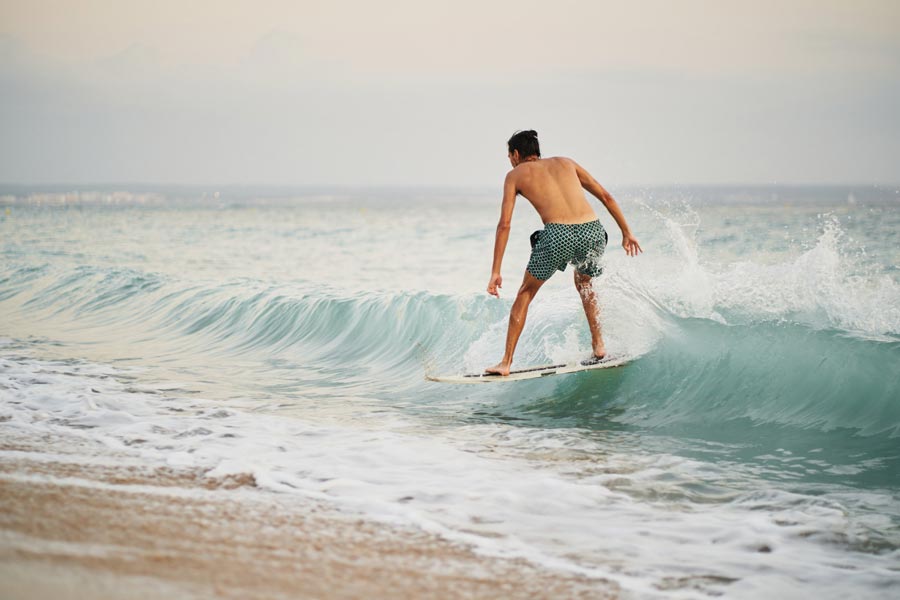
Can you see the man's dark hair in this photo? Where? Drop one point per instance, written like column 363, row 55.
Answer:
column 526, row 143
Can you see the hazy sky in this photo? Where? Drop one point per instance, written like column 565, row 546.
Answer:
column 424, row 92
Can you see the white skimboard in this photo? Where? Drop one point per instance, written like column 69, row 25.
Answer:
column 531, row 372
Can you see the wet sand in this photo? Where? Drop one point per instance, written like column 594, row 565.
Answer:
column 71, row 529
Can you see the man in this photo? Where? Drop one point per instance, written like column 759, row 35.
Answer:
column 571, row 235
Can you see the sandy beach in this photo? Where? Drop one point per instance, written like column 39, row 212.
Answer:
column 72, row 529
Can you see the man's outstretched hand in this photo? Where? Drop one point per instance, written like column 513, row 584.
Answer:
column 630, row 243
column 495, row 283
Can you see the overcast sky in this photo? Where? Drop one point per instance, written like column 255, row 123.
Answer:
column 417, row 92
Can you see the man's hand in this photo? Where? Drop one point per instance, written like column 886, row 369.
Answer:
column 495, row 283
column 630, row 243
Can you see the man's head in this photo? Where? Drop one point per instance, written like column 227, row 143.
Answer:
column 523, row 145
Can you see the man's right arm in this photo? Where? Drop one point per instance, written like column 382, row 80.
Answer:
column 502, row 237
column 629, row 242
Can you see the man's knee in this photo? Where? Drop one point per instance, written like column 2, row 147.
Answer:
column 530, row 287
column 527, row 292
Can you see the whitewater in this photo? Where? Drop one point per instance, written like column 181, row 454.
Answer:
column 751, row 448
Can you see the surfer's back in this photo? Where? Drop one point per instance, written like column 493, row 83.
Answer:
column 553, row 187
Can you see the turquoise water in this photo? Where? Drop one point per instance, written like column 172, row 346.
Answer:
column 751, row 446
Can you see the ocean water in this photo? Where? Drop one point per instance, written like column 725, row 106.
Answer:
column 750, row 449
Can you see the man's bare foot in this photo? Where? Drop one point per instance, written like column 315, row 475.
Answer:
column 593, row 360
column 499, row 369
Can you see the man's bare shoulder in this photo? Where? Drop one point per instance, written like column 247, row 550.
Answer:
column 518, row 171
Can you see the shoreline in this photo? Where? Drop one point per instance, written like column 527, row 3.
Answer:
column 76, row 529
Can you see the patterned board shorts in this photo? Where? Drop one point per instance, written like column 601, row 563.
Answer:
column 558, row 245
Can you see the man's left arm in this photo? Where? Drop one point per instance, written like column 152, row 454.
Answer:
column 506, row 212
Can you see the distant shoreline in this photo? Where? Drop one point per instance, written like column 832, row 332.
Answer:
column 699, row 194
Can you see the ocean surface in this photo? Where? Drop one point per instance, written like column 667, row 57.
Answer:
column 750, row 449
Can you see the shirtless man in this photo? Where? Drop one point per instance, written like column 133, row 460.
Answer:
column 571, row 234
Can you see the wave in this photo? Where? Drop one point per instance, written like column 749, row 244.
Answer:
column 783, row 373
column 809, row 342
column 708, row 374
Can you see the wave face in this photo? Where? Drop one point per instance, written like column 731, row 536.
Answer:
column 769, row 372
column 808, row 341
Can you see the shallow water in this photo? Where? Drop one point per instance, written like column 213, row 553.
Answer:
column 751, row 447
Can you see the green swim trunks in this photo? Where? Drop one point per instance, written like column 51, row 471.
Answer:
column 558, row 245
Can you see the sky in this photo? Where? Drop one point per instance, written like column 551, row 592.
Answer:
column 419, row 92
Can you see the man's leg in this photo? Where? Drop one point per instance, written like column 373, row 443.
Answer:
column 584, row 285
column 529, row 288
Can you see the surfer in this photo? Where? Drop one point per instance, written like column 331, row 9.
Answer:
column 572, row 234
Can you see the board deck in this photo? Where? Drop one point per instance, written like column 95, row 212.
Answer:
column 530, row 372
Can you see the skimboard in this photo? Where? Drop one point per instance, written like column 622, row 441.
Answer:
column 531, row 372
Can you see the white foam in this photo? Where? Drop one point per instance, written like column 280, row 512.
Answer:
column 558, row 498
column 823, row 286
